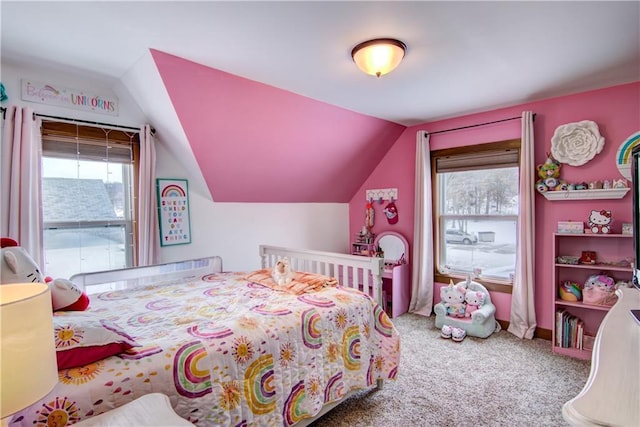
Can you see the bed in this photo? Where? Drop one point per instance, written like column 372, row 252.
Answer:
column 225, row 349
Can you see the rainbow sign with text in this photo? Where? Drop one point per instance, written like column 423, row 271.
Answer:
column 173, row 211
column 53, row 94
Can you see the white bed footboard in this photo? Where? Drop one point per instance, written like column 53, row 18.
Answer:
column 351, row 271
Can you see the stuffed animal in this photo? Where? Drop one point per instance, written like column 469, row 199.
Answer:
column 570, row 291
column 549, row 176
column 600, row 221
column 599, row 289
column 474, row 300
column 282, row 273
column 66, row 296
column 600, row 281
column 453, row 298
column 18, row 267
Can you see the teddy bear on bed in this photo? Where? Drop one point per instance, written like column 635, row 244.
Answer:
column 282, row 273
column 18, row 267
column 453, row 298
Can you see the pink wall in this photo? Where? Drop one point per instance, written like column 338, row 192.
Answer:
column 616, row 110
column 258, row 143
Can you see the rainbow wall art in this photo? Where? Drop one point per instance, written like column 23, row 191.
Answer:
column 623, row 156
column 173, row 211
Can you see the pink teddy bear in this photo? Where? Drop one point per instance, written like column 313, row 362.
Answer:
column 474, row 300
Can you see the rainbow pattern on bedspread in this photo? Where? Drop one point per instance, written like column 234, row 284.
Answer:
column 229, row 352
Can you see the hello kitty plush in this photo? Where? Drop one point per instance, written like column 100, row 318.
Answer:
column 453, row 298
column 474, row 300
column 600, row 221
column 17, row 266
column 282, row 273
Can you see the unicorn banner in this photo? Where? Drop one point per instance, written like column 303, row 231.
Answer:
column 52, row 94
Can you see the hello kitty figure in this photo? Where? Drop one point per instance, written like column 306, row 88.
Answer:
column 600, row 222
column 453, row 298
column 474, row 300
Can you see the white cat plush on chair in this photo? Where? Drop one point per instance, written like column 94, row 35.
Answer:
column 282, row 273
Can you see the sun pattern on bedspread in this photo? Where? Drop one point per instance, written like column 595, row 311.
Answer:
column 229, row 352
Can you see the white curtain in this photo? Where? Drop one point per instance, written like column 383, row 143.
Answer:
column 522, row 322
column 21, row 183
column 422, row 277
column 148, row 234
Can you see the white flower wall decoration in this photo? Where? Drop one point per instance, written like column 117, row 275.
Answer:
column 576, row 143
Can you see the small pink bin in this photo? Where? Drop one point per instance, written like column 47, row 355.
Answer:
column 598, row 296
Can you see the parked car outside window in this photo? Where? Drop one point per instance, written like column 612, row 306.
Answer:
column 459, row 236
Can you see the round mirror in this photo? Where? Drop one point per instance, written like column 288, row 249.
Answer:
column 394, row 246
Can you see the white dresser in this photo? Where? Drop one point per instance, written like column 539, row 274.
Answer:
column 611, row 396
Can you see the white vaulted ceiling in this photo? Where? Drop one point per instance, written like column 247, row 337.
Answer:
column 462, row 57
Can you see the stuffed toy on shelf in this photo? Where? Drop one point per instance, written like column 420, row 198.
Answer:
column 17, row 266
column 549, row 176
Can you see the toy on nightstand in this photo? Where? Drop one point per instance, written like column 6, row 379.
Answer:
column 600, row 221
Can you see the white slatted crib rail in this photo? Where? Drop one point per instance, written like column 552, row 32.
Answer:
column 351, row 271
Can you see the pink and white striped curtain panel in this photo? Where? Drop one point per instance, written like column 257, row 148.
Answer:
column 148, row 238
column 21, row 195
column 522, row 322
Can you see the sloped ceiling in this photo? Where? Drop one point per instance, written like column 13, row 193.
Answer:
column 258, row 143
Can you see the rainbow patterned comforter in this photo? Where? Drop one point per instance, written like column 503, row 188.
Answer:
column 229, row 352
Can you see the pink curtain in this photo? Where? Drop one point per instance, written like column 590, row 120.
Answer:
column 522, row 322
column 422, row 278
column 148, row 232
column 21, row 180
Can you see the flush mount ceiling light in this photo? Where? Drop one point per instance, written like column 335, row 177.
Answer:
column 379, row 56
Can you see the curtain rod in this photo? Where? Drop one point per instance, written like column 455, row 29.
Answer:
column 115, row 127
column 479, row 124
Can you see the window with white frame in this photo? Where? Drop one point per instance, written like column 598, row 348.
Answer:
column 88, row 188
column 476, row 211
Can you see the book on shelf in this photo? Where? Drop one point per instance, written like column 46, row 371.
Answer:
column 569, row 330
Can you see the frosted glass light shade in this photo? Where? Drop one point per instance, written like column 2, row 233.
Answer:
column 28, row 367
column 378, row 57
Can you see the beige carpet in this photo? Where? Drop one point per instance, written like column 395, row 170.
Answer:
column 498, row 381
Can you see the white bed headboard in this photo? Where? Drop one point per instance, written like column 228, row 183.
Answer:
column 351, row 271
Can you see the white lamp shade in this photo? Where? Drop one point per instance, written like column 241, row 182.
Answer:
column 378, row 57
column 28, row 367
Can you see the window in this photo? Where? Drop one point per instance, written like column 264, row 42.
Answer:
column 476, row 211
column 88, row 188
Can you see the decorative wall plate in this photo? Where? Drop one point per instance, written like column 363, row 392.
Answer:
column 623, row 156
column 576, row 143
